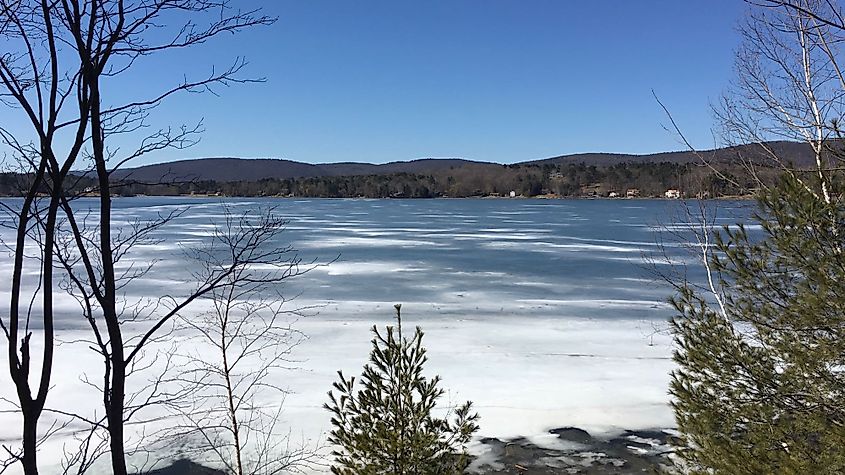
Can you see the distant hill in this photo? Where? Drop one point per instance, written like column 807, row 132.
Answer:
column 254, row 169
column 799, row 153
column 577, row 175
column 219, row 169
column 239, row 169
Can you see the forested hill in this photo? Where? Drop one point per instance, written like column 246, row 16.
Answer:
column 582, row 175
column 253, row 169
column 799, row 153
column 237, row 169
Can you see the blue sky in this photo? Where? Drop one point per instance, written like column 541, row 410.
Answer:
column 503, row 81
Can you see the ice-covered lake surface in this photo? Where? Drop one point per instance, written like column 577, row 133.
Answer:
column 544, row 313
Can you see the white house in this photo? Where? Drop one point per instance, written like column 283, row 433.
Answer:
column 673, row 194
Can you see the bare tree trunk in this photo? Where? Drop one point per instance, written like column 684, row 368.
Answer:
column 102, row 39
column 252, row 338
column 19, row 366
column 227, row 375
column 30, row 440
column 115, row 409
column 233, row 415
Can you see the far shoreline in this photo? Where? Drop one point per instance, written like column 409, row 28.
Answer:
column 477, row 197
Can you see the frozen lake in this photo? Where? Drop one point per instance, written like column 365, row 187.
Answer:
column 544, row 313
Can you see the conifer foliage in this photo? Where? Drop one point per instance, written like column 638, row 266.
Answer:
column 760, row 385
column 388, row 426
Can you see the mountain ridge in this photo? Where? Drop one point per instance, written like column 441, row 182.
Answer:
column 228, row 169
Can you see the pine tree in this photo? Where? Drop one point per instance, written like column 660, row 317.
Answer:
column 387, row 426
column 760, row 386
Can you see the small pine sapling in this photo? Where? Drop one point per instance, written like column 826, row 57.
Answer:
column 387, row 426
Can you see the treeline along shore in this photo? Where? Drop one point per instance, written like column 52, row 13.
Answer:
column 713, row 174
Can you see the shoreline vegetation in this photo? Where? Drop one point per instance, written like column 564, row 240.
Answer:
column 651, row 181
column 480, row 197
column 721, row 173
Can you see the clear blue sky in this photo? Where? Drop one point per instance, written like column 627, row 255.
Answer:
column 502, row 81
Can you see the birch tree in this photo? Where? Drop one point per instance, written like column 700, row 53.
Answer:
column 759, row 381
column 789, row 85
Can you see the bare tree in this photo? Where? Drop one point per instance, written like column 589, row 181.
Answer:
column 827, row 12
column 239, row 347
column 36, row 82
column 243, row 254
column 64, row 52
column 789, row 86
